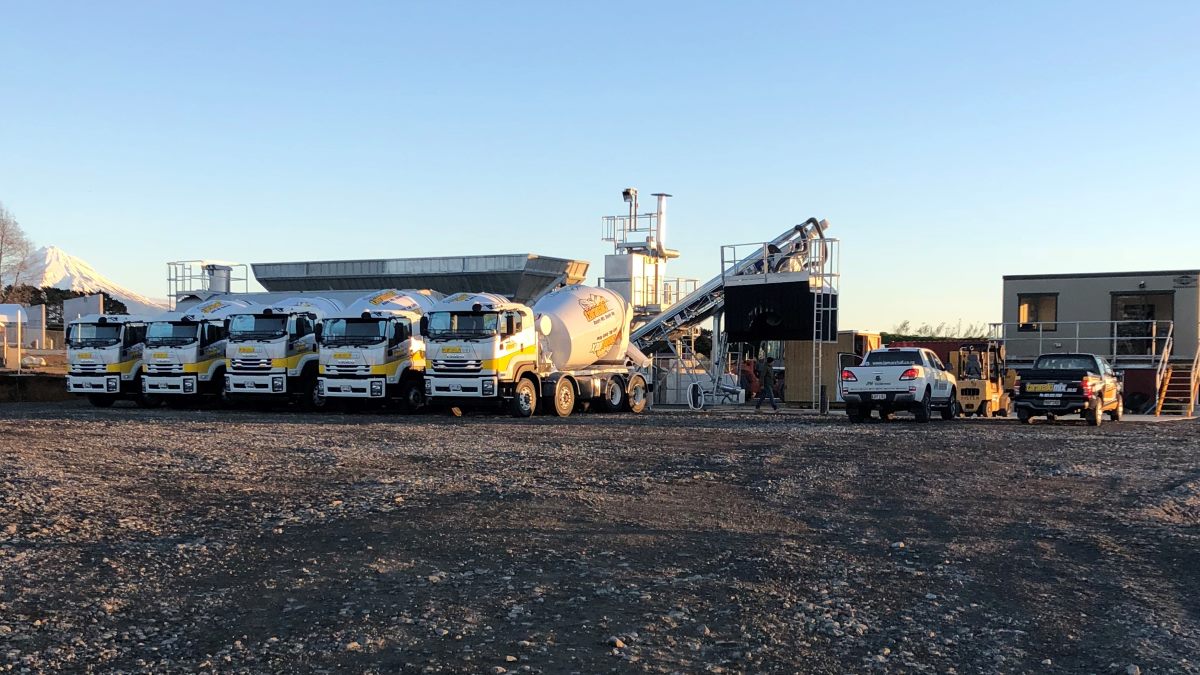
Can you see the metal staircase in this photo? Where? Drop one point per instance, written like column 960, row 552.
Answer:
column 1177, row 396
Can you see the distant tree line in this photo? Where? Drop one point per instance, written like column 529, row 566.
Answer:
column 53, row 299
column 905, row 330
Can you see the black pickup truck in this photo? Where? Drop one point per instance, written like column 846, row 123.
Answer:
column 1062, row 384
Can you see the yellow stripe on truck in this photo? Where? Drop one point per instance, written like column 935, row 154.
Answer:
column 123, row 367
column 501, row 364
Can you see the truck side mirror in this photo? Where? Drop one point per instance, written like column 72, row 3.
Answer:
column 318, row 330
column 424, row 325
column 510, row 325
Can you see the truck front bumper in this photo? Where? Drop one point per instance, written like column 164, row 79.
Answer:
column 170, row 384
column 94, row 384
column 264, row 383
column 483, row 386
column 352, row 387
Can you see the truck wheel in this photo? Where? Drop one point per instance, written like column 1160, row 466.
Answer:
column 1095, row 414
column 1024, row 416
column 924, row 409
column 1118, row 412
column 637, row 396
column 524, row 400
column 612, row 399
column 951, row 410
column 564, row 397
column 101, row 400
column 412, row 395
column 312, row 399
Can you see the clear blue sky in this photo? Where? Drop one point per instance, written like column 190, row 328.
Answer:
column 947, row 143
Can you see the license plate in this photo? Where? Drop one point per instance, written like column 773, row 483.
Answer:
column 456, row 387
column 879, row 397
column 1039, row 387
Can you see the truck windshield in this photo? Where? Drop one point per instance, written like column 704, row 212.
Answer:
column 170, row 333
column 1065, row 363
column 93, row 335
column 445, row 325
column 893, row 359
column 257, row 326
column 353, row 331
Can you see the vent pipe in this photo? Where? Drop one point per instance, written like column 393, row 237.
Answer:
column 660, row 231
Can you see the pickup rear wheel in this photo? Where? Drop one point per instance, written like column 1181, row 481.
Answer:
column 924, row 409
column 1095, row 414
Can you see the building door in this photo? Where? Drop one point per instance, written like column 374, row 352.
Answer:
column 1142, row 321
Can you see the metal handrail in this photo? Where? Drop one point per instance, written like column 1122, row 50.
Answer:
column 1161, row 336
column 1195, row 381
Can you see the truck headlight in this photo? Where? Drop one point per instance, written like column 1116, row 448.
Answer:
column 276, row 384
column 428, row 387
column 488, row 388
column 111, row 384
column 377, row 387
column 320, row 386
column 189, row 385
column 145, row 386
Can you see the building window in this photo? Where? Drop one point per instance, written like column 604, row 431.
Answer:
column 1037, row 311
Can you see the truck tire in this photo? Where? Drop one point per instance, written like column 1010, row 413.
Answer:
column 1119, row 411
column 412, row 395
column 613, row 397
column 924, row 409
column 524, row 400
column 1024, row 416
column 637, row 395
column 951, row 410
column 564, row 397
column 1095, row 414
column 311, row 399
column 101, row 400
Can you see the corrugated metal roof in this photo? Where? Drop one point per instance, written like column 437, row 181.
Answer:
column 520, row 276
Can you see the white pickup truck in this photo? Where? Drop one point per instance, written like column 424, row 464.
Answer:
column 899, row 378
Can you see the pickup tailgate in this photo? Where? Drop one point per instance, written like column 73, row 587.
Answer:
column 877, row 379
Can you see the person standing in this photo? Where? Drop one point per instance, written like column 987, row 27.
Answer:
column 766, row 380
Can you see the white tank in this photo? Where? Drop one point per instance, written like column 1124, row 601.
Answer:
column 585, row 325
column 392, row 299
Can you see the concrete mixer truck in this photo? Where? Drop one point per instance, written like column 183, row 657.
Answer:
column 374, row 349
column 272, row 351
column 104, row 358
column 185, row 352
column 569, row 351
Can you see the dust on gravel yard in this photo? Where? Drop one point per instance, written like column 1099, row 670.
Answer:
column 182, row 541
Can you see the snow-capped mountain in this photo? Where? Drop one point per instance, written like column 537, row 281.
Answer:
column 52, row 266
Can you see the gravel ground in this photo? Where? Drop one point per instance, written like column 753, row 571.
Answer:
column 185, row 541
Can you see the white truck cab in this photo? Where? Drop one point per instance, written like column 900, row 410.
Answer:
column 374, row 348
column 899, row 378
column 104, row 358
column 185, row 351
column 272, row 351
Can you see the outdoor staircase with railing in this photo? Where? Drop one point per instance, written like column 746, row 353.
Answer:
column 1177, row 396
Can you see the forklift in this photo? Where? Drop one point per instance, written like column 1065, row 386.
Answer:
column 983, row 382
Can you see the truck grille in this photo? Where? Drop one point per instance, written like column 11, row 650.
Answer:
column 88, row 368
column 332, row 369
column 251, row 364
column 164, row 369
column 458, row 365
